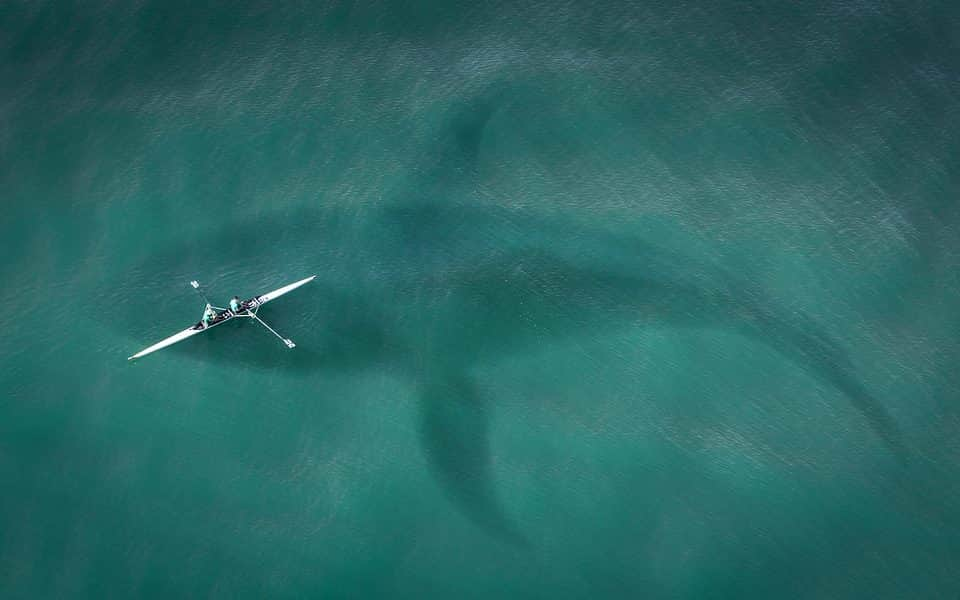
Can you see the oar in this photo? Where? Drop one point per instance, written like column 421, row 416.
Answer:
column 196, row 286
column 286, row 341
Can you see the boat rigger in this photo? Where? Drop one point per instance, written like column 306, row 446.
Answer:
column 214, row 315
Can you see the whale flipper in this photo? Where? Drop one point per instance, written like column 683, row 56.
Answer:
column 455, row 437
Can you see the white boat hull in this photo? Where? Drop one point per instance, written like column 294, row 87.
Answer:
column 252, row 304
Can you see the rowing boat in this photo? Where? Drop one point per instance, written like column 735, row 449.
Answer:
column 247, row 309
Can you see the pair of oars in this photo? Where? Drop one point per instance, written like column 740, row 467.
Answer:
column 246, row 313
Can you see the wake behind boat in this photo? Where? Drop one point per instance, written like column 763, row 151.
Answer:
column 214, row 316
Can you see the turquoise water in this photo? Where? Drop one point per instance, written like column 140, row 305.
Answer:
column 613, row 300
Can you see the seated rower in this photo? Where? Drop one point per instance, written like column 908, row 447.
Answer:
column 208, row 315
column 235, row 305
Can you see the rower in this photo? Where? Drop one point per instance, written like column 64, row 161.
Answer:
column 208, row 315
column 235, row 305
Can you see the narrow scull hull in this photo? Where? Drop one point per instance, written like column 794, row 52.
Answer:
column 247, row 307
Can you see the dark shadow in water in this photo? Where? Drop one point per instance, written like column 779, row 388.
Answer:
column 469, row 123
column 505, row 304
column 451, row 165
column 493, row 305
column 455, row 436
column 500, row 294
column 660, row 289
column 799, row 339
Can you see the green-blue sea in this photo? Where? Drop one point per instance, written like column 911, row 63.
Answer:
column 613, row 299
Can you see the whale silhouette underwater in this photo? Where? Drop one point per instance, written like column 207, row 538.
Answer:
column 435, row 282
column 468, row 285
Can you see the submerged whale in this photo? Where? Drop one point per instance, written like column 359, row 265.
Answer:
column 432, row 283
column 468, row 285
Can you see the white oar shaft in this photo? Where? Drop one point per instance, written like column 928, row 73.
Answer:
column 196, row 286
column 286, row 341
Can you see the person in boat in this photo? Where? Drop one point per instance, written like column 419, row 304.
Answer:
column 235, row 304
column 208, row 315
